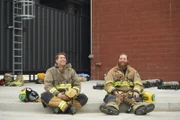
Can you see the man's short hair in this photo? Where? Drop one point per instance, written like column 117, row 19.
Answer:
column 61, row 53
column 123, row 54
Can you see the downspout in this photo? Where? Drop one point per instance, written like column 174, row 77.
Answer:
column 91, row 56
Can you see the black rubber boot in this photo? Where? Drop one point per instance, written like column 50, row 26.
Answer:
column 109, row 110
column 70, row 110
column 150, row 107
column 141, row 110
column 57, row 111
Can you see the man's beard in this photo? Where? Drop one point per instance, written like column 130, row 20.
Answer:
column 123, row 66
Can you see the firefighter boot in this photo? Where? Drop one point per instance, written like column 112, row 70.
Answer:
column 138, row 107
column 109, row 110
column 141, row 109
column 70, row 110
column 150, row 107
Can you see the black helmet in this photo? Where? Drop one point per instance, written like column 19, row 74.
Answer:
column 28, row 95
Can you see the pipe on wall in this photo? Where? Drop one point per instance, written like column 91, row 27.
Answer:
column 91, row 56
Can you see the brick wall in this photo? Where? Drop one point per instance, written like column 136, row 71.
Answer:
column 147, row 30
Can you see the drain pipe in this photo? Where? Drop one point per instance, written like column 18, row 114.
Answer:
column 91, row 56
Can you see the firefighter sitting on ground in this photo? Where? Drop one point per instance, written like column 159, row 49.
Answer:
column 62, row 88
column 123, row 84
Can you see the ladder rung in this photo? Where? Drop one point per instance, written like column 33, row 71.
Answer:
column 17, row 15
column 18, row 56
column 18, row 28
column 16, row 3
column 18, row 0
column 18, row 21
column 17, row 42
column 18, row 63
column 18, row 35
column 17, row 49
column 17, row 69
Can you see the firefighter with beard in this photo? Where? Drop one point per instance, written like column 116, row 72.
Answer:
column 123, row 84
column 62, row 88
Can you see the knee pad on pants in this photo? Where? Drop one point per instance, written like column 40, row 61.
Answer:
column 82, row 99
column 46, row 97
column 109, row 98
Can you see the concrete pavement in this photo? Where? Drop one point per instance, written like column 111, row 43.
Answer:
column 166, row 100
column 4, row 115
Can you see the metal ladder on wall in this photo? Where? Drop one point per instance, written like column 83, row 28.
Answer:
column 22, row 10
column 17, row 38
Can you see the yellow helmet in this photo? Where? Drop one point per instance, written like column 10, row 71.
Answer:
column 40, row 79
column 41, row 76
column 148, row 96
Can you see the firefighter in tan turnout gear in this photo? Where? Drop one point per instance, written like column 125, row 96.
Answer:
column 123, row 85
column 62, row 88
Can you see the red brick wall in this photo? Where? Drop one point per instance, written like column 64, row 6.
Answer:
column 147, row 30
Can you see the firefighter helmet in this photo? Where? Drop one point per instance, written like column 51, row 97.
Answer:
column 40, row 79
column 28, row 95
column 148, row 96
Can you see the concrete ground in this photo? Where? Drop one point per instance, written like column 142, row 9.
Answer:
column 167, row 105
column 87, row 116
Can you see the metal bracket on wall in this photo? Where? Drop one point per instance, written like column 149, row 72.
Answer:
column 91, row 56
